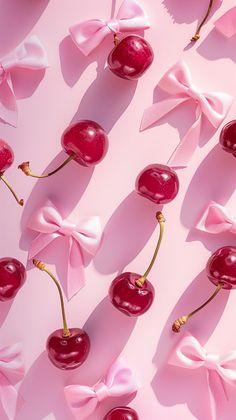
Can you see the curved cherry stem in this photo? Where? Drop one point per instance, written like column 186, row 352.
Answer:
column 116, row 39
column 27, row 171
column 20, row 201
column 197, row 34
column 183, row 319
column 161, row 220
column 41, row 266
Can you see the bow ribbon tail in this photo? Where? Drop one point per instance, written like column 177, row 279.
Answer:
column 75, row 269
column 217, row 394
column 8, row 106
column 40, row 242
column 187, row 145
column 158, row 110
column 9, row 397
column 226, row 24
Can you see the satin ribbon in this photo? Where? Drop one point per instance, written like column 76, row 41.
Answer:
column 226, row 24
column 11, row 372
column 216, row 219
column 29, row 55
column 220, row 369
column 177, row 82
column 119, row 381
column 89, row 34
column 84, row 237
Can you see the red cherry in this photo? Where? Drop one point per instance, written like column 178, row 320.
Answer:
column 86, row 142
column 228, row 137
column 221, row 267
column 122, row 413
column 12, row 277
column 6, row 160
column 221, row 271
column 68, row 352
column 128, row 297
column 67, row 348
column 158, row 183
column 131, row 57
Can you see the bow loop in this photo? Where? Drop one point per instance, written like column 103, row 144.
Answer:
column 216, row 219
column 89, row 34
column 226, row 24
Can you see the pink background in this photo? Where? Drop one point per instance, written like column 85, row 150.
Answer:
column 75, row 87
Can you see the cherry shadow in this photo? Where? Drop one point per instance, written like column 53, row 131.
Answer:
column 42, row 387
column 213, row 180
column 17, row 18
column 188, row 11
column 166, row 382
column 215, row 46
column 126, row 233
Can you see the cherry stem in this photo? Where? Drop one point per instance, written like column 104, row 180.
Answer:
column 197, row 34
column 41, row 266
column 20, row 201
column 27, row 171
column 161, row 220
column 183, row 319
column 116, row 40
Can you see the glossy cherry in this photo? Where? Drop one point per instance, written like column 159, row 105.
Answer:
column 221, row 271
column 12, row 277
column 158, row 183
column 228, row 137
column 122, row 413
column 86, row 142
column 67, row 348
column 131, row 57
column 6, row 160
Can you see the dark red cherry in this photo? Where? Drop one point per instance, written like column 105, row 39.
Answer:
column 87, row 140
column 158, row 183
column 12, row 277
column 131, row 57
column 6, row 156
column 68, row 352
column 228, row 137
column 221, row 267
column 128, row 297
column 122, row 413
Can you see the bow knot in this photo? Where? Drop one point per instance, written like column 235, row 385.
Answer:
column 83, row 240
column 211, row 361
column 177, row 83
column 101, row 391
column 216, row 219
column 89, row 34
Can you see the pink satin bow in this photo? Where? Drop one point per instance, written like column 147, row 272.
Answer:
column 216, row 219
column 11, row 372
column 89, row 34
column 82, row 238
column 191, row 355
column 29, row 55
column 177, row 82
column 226, row 24
column 119, row 381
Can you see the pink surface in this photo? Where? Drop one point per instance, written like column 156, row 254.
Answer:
column 78, row 87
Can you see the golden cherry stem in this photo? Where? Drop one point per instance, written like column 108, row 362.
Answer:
column 20, row 201
column 41, row 266
column 116, row 40
column 183, row 319
column 197, row 34
column 161, row 220
column 27, row 171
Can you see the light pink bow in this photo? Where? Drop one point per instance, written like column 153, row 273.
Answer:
column 226, row 24
column 216, row 219
column 82, row 238
column 191, row 355
column 89, row 34
column 177, row 82
column 29, row 55
column 119, row 381
column 11, row 372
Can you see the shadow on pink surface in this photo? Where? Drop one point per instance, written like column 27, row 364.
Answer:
column 25, row 81
column 5, row 308
column 166, row 383
column 126, row 233
column 213, row 180
column 216, row 46
column 17, row 18
column 188, row 11
column 42, row 387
